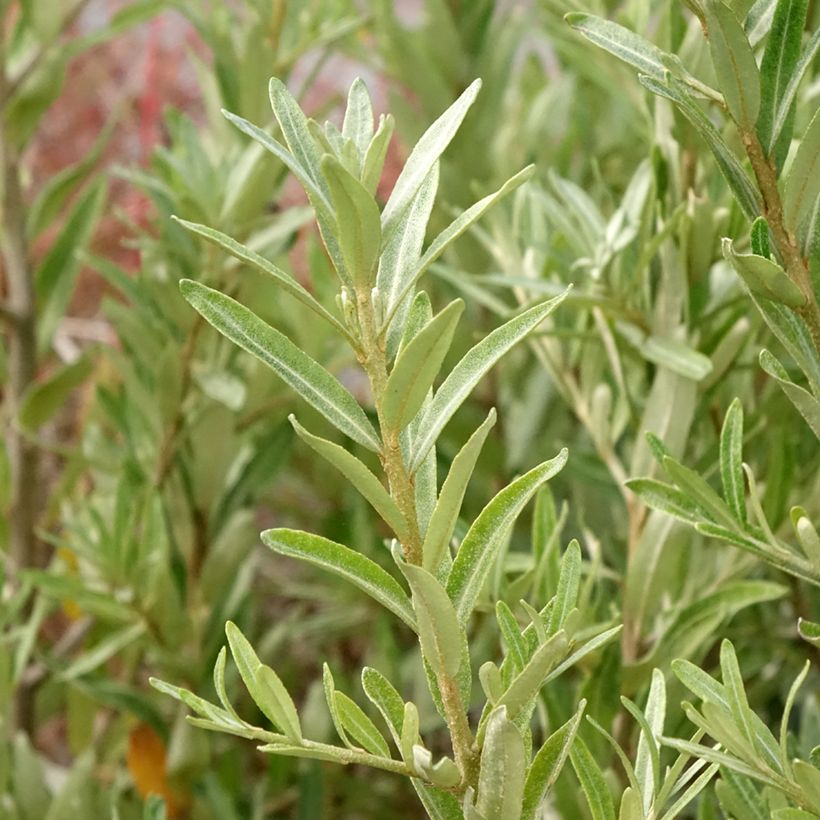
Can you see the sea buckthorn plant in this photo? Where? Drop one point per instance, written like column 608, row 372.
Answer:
column 378, row 253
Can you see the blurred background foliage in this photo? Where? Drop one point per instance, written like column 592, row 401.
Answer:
column 159, row 450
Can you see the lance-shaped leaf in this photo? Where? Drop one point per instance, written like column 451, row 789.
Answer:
column 359, row 475
column 503, row 766
column 802, row 186
column 358, row 221
column 734, row 61
column 417, row 366
column 666, row 498
column 592, row 781
column 699, row 490
column 479, row 549
column 294, row 125
column 730, row 167
column 443, row 521
column 264, row 685
column 790, row 93
column 423, row 156
column 454, row 230
column 735, row 691
column 196, row 704
column 764, row 277
column 548, row 763
column 779, row 61
column 351, row 565
column 805, row 402
column 359, row 726
column 621, row 42
column 468, row 372
column 306, row 376
column 329, row 686
column 526, row 685
column 373, row 162
column 731, row 460
column 358, row 121
column 251, row 257
column 647, row 761
column 443, row 641
column 569, row 582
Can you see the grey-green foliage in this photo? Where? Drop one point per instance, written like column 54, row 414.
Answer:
column 493, row 767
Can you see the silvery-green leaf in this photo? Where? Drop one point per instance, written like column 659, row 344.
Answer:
column 409, row 732
column 359, row 726
column 807, row 405
column 508, row 626
column 263, row 684
column 735, row 64
column 764, row 277
column 569, row 582
column 329, row 687
column 195, row 703
column 479, row 549
column 423, row 156
column 503, row 766
column 743, row 188
column 358, row 121
column 526, row 685
column 351, row 565
column 358, row 222
column 666, row 498
column 294, row 125
column 468, row 372
column 442, row 639
column 735, row 691
column 647, row 761
column 592, row 645
column 308, row 378
column 417, row 365
column 443, row 521
column 386, row 699
column 246, row 254
column 459, row 225
column 789, row 95
column 699, row 490
column 360, row 476
column 676, row 356
column 731, row 460
column 779, row 60
column 802, row 186
column 373, row 162
column 592, row 781
column 548, row 763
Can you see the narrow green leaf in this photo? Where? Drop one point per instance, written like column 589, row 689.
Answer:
column 329, row 687
column 666, row 498
column 503, row 766
column 508, row 626
column 193, row 702
column 764, row 277
column 456, row 228
column 263, row 684
column 647, row 760
column 43, row 399
column 677, row 356
column 569, row 582
column 742, row 187
column 789, row 95
column 592, row 645
column 734, row 61
column 731, row 460
column 359, row 726
column 468, row 372
column 417, row 365
column 442, row 639
column 360, row 476
column 423, row 156
column 526, row 685
column 779, row 61
column 308, row 378
column 358, row 121
column 345, row 562
column 621, row 42
column 386, row 699
column 802, row 185
column 785, row 760
column 373, row 162
column 245, row 254
column 735, row 691
column 592, row 781
column 548, row 763
column 443, row 521
column 807, row 405
column 760, row 238
column 358, row 221
column 699, row 490
column 480, row 546
column 409, row 732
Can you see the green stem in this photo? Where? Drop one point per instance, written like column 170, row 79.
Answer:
column 402, row 489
